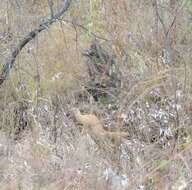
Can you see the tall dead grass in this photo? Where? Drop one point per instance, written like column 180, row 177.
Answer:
column 41, row 146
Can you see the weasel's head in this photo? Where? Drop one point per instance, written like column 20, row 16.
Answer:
column 76, row 112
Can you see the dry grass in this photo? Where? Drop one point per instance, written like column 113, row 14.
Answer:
column 41, row 146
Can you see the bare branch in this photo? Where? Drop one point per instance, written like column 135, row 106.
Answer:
column 31, row 35
column 50, row 3
column 92, row 34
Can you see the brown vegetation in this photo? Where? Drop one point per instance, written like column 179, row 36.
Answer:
column 129, row 62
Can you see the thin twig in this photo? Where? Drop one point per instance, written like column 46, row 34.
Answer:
column 50, row 3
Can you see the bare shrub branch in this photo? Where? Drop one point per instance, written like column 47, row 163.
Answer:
column 31, row 35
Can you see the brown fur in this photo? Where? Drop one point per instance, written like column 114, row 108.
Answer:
column 92, row 122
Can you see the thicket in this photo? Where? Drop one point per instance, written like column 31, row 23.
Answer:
column 128, row 62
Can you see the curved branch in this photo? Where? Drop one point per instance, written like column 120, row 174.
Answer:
column 31, row 35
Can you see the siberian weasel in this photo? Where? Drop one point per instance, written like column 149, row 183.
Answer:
column 91, row 121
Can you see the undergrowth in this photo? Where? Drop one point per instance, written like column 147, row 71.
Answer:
column 41, row 144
